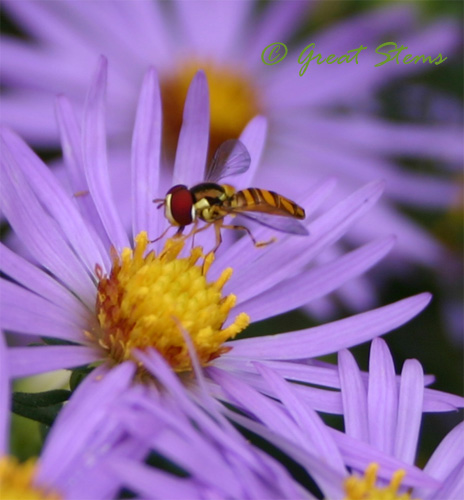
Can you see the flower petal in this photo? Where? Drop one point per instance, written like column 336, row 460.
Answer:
column 279, row 21
column 317, row 282
column 254, row 138
column 95, row 159
column 359, row 455
column 330, row 337
column 453, row 485
column 26, row 312
column 382, row 398
column 233, row 257
column 81, row 417
column 55, row 202
column 72, row 151
column 308, row 421
column 5, row 397
column 27, row 361
column 253, row 277
column 410, row 407
column 41, row 21
column 40, row 125
column 141, row 479
column 222, row 21
column 146, row 151
column 448, row 454
column 192, row 148
column 354, row 397
column 39, row 282
column 374, row 135
column 35, row 226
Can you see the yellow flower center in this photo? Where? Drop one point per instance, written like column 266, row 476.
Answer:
column 233, row 101
column 155, row 300
column 364, row 488
column 17, row 481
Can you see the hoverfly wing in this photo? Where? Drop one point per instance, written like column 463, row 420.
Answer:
column 278, row 222
column 231, row 158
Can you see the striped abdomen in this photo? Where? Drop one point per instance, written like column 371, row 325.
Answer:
column 261, row 200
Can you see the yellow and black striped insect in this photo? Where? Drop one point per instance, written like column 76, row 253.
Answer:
column 212, row 202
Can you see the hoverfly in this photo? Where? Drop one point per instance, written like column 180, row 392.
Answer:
column 211, row 202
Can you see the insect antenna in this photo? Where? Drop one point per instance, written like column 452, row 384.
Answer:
column 160, row 201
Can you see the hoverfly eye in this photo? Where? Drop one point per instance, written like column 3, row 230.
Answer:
column 177, row 187
column 179, row 206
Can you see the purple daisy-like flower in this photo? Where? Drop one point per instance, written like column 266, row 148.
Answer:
column 226, row 39
column 382, row 414
column 387, row 414
column 89, row 288
column 102, row 437
column 84, row 436
column 215, row 461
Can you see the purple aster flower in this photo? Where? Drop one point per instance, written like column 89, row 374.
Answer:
column 386, row 413
column 85, row 435
column 103, row 435
column 226, row 39
column 382, row 414
column 216, row 461
column 89, row 288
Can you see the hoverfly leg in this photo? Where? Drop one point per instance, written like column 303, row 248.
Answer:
column 179, row 232
column 193, row 232
column 196, row 230
column 163, row 234
column 217, row 229
column 258, row 244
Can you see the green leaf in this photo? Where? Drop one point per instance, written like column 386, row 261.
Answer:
column 78, row 375
column 45, row 415
column 41, row 399
column 53, row 341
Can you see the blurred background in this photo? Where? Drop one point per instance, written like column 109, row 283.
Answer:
column 436, row 336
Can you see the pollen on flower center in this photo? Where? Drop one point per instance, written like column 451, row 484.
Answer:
column 365, row 488
column 147, row 300
column 17, row 481
column 234, row 100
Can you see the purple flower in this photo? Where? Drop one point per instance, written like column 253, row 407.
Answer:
column 215, row 460
column 382, row 415
column 309, row 134
column 101, row 438
column 386, row 413
column 85, row 435
column 90, row 290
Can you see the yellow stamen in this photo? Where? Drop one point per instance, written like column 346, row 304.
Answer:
column 17, row 481
column 146, row 297
column 233, row 100
column 364, row 488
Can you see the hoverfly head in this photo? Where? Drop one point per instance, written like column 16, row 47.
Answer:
column 179, row 206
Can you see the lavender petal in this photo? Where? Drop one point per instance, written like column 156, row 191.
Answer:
column 5, row 397
column 354, row 397
column 33, row 278
column 146, row 151
column 192, row 148
column 331, row 337
column 27, row 361
column 317, row 282
column 95, row 159
column 382, row 398
column 410, row 407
